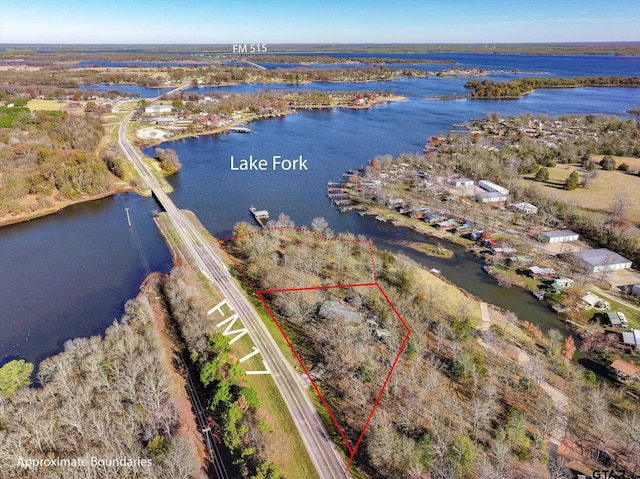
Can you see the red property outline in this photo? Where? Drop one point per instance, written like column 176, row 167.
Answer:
column 260, row 294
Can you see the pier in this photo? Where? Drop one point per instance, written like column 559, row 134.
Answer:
column 261, row 216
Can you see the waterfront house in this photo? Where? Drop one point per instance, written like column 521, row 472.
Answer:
column 501, row 251
column 631, row 339
column 624, row 370
column 476, row 235
column 593, row 301
column 447, row 224
column 562, row 283
column 516, row 260
column 617, row 319
column 602, row 259
column 537, row 272
column 558, row 236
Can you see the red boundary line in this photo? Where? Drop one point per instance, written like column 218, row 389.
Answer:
column 259, row 293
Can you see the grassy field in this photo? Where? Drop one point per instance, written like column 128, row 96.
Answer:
column 600, row 193
column 36, row 105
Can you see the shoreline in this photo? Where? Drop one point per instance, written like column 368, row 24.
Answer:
column 12, row 220
column 141, row 143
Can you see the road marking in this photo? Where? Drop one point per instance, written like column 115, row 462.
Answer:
column 250, row 355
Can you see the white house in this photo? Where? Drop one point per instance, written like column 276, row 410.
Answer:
column 526, row 208
column 462, row 182
column 558, row 236
column 490, row 197
column 156, row 109
column 602, row 259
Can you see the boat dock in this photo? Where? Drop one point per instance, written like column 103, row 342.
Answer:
column 261, row 216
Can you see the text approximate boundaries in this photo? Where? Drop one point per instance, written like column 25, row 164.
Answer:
column 260, row 294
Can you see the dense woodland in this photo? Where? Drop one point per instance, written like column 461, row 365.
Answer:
column 105, row 398
column 502, row 417
column 75, row 77
column 50, row 156
column 522, row 86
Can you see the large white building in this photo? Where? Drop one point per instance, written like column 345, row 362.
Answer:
column 599, row 260
column 558, row 236
column 491, row 192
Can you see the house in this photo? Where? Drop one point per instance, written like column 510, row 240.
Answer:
column 511, row 260
column 155, row 109
column 617, row 319
column 447, row 224
column 635, row 290
column 341, row 311
column 537, row 272
column 476, row 235
column 562, row 283
column 526, row 208
column 462, row 182
column 631, row 339
column 624, row 370
column 602, row 259
column 165, row 120
column 394, row 202
column 463, row 227
column 594, row 301
column 435, row 218
column 558, row 236
column 504, row 250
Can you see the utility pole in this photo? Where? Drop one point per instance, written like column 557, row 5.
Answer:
column 128, row 217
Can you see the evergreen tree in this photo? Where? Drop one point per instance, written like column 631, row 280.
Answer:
column 573, row 181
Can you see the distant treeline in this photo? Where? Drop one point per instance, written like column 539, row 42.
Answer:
column 73, row 78
column 521, row 86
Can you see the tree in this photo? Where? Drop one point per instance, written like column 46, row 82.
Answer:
column 568, row 348
column 319, row 224
column 177, row 104
column 573, row 181
column 542, row 174
column 608, row 163
column 588, row 177
column 13, row 376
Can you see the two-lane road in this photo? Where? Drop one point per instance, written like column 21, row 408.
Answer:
column 322, row 451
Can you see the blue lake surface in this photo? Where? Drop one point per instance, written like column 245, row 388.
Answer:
column 69, row 274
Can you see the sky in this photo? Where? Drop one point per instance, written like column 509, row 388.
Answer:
column 318, row 21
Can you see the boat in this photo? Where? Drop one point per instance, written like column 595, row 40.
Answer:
column 380, row 218
column 434, row 270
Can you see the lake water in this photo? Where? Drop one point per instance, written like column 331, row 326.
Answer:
column 69, row 274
